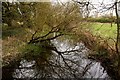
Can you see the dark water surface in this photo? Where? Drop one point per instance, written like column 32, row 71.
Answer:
column 74, row 65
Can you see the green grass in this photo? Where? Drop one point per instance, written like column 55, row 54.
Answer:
column 104, row 30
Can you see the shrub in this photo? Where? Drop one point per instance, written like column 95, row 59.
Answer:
column 101, row 20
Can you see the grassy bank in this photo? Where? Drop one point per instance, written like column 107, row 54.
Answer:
column 105, row 30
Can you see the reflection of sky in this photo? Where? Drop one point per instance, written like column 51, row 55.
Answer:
column 94, row 68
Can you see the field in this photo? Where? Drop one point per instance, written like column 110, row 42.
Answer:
column 105, row 30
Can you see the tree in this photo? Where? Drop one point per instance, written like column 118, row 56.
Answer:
column 49, row 22
column 118, row 36
column 16, row 12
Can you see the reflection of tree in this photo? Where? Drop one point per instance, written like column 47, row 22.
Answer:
column 61, row 65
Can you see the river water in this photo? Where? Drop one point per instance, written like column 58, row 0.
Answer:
column 74, row 64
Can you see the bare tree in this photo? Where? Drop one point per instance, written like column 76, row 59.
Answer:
column 118, row 35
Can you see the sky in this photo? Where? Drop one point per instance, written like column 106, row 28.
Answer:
column 107, row 2
column 96, row 3
column 99, row 8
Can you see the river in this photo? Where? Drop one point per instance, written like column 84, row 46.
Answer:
column 74, row 64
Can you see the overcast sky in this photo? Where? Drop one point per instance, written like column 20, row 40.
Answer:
column 99, row 5
column 96, row 3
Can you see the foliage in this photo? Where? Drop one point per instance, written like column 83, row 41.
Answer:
column 34, row 51
column 16, row 13
column 102, row 19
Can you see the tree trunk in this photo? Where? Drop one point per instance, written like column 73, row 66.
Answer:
column 118, row 36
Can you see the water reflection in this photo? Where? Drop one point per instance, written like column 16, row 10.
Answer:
column 25, row 70
column 68, row 65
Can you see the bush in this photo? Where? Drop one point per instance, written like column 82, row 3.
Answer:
column 37, row 50
column 101, row 20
